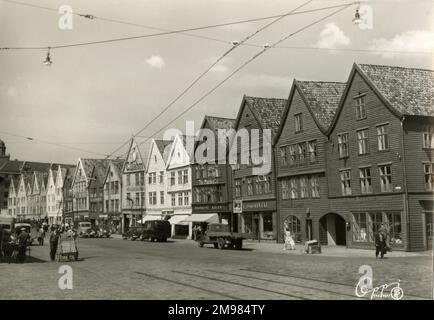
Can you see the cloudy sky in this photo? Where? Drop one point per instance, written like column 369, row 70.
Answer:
column 96, row 97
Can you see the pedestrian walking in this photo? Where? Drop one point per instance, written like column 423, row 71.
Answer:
column 54, row 240
column 381, row 241
column 289, row 240
column 22, row 242
column 41, row 236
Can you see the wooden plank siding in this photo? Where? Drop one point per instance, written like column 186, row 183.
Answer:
column 316, row 207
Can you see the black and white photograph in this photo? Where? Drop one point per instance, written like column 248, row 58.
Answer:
column 216, row 155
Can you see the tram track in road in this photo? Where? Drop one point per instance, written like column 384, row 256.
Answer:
column 289, row 284
column 242, row 285
column 187, row 285
column 320, row 280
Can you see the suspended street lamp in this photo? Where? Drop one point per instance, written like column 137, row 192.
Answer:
column 48, row 61
column 357, row 19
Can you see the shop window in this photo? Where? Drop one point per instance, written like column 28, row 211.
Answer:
column 360, row 230
column 394, row 222
column 267, row 219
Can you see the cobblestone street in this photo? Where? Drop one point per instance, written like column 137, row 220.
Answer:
column 179, row 269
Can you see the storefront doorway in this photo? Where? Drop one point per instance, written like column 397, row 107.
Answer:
column 332, row 230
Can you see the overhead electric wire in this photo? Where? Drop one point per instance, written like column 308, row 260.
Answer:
column 168, row 32
column 181, row 32
column 52, row 143
column 197, row 79
column 244, row 65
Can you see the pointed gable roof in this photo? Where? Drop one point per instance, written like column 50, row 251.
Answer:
column 216, row 123
column 134, row 160
column 162, row 146
column 268, row 111
column 322, row 98
column 409, row 91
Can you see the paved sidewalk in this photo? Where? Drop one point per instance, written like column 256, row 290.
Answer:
column 327, row 251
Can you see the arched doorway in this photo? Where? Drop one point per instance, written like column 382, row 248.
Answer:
column 332, row 230
column 294, row 225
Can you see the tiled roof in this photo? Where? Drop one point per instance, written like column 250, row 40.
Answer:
column 3, row 161
column 269, row 111
column 410, row 91
column 220, row 123
column 100, row 169
column 89, row 164
column 322, row 98
column 13, row 166
column 162, row 145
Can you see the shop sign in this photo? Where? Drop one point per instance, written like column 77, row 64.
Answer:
column 238, row 206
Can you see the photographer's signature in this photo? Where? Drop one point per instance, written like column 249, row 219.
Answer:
column 390, row 290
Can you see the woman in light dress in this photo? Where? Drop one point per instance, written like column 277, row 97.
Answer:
column 289, row 240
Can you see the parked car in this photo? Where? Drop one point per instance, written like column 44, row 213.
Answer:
column 83, row 228
column 133, row 233
column 104, row 231
column 156, row 230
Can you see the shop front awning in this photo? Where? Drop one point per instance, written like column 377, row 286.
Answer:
column 203, row 217
column 152, row 217
column 178, row 219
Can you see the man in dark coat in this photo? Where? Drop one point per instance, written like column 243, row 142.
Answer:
column 380, row 244
column 22, row 241
column 54, row 240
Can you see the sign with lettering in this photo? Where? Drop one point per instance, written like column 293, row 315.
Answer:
column 259, row 205
column 238, row 206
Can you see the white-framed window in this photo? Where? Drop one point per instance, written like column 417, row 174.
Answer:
column 314, row 186
column 298, row 121
column 363, row 141
column 292, row 155
column 365, row 180
column 385, row 178
column 186, row 198
column 293, row 183
column 304, row 190
column 429, row 176
column 360, row 106
column 383, row 138
column 345, row 182
column 185, row 176
column 249, row 187
column 343, row 147
column 237, row 188
column 285, row 189
column 180, row 199
column 180, row 175
column 428, row 140
column 172, row 178
column 312, row 150
column 161, row 197
column 301, row 152
column 173, row 198
column 283, row 156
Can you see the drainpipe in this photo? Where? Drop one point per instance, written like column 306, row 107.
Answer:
column 405, row 197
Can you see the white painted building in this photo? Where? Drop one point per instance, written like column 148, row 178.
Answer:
column 179, row 187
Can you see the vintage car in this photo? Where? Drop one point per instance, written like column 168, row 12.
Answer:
column 133, row 233
column 220, row 236
column 83, row 228
column 156, row 230
column 104, row 231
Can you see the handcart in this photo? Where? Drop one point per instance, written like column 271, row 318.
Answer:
column 67, row 247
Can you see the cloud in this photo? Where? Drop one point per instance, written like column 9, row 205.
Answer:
column 156, row 62
column 408, row 41
column 331, row 37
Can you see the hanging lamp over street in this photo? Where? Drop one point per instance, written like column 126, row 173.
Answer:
column 48, row 61
column 357, row 19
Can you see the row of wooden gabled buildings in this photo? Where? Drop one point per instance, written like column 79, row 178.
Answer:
column 346, row 158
